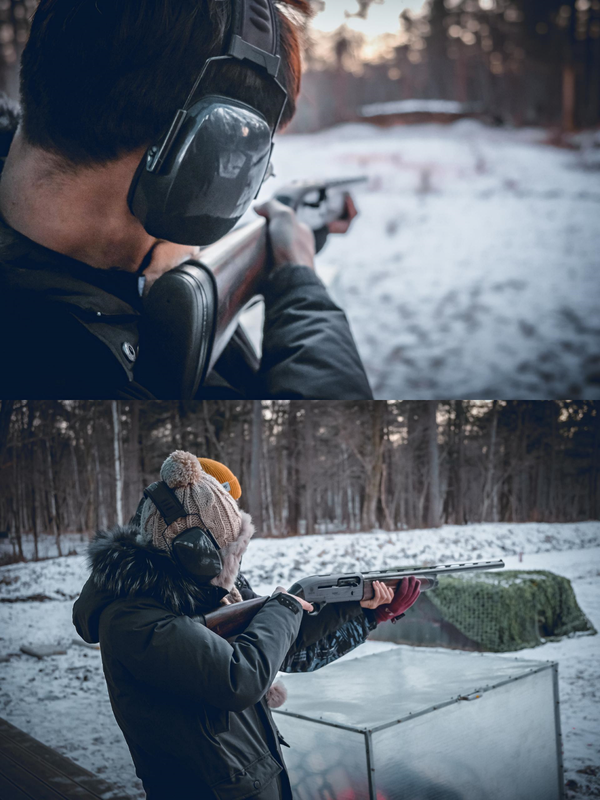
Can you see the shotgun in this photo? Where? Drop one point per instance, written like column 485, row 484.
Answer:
column 231, row 620
column 192, row 311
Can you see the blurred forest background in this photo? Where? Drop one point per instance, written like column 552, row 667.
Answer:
column 519, row 62
column 305, row 466
column 534, row 62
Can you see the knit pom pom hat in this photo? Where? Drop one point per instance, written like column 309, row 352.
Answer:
column 209, row 505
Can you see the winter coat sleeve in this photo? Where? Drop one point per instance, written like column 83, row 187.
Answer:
column 335, row 631
column 308, row 348
column 178, row 654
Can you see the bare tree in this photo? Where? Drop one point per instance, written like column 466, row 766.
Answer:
column 117, row 447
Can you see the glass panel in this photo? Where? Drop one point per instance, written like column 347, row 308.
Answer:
column 501, row 746
column 324, row 763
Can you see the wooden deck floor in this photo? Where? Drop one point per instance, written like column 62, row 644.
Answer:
column 29, row 770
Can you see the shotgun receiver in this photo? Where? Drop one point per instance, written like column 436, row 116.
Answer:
column 192, row 311
column 340, row 587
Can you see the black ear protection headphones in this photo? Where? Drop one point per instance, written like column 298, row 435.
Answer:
column 194, row 185
column 195, row 550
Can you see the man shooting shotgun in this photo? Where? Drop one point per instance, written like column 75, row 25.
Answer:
column 144, row 134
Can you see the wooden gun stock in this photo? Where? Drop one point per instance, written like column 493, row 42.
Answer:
column 233, row 619
column 239, row 263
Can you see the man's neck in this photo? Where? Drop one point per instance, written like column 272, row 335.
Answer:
column 81, row 214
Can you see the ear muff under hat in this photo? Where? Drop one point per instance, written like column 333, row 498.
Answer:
column 196, row 551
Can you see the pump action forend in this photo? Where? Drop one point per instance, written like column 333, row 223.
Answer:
column 339, row 587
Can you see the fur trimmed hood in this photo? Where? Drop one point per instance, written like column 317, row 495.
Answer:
column 10, row 115
column 124, row 563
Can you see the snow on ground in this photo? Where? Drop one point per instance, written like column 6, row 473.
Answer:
column 62, row 700
column 473, row 269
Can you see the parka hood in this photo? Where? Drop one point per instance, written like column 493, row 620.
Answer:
column 124, row 564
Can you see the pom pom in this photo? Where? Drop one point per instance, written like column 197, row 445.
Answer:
column 181, row 469
column 276, row 695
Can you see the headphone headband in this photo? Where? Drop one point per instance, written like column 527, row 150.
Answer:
column 254, row 34
column 166, row 501
column 254, row 37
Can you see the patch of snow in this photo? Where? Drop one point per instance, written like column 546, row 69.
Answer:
column 416, row 106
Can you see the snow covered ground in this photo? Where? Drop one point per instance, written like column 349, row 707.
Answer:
column 473, row 269
column 62, row 699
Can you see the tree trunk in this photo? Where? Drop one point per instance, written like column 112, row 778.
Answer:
column 117, row 447
column 434, row 504
column 490, row 505
column 255, row 500
column 308, row 461
column 373, row 466
column 293, row 482
column 52, row 498
column 460, row 463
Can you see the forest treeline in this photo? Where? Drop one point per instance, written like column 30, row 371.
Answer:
column 305, row 466
column 521, row 62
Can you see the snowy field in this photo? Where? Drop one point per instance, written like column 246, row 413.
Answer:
column 472, row 270
column 62, row 699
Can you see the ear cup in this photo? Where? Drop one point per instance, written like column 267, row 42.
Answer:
column 195, row 553
column 210, row 175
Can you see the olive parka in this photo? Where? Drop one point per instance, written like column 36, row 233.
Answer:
column 192, row 705
column 72, row 331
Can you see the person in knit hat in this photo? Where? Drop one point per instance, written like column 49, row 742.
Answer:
column 195, row 708
column 210, row 503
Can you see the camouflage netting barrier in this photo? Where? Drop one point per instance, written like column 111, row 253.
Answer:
column 510, row 610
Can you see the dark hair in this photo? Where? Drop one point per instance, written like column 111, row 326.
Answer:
column 102, row 78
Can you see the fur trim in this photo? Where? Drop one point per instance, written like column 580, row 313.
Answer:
column 181, row 469
column 125, row 565
column 231, row 555
column 276, row 695
column 10, row 115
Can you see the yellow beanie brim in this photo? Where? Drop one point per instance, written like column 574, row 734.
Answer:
column 222, row 474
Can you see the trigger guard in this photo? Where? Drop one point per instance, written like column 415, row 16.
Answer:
column 317, row 607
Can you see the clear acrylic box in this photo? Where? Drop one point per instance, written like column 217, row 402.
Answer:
column 417, row 724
